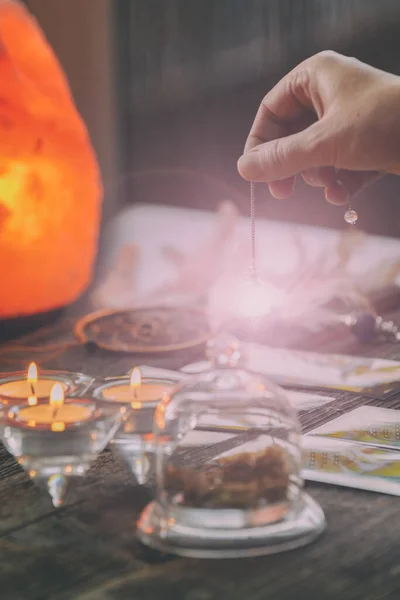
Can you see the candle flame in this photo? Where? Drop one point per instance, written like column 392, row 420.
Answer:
column 32, row 373
column 32, row 400
column 136, row 378
column 57, row 395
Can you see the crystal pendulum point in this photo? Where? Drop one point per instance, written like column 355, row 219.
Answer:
column 56, row 487
column 140, row 467
column 351, row 216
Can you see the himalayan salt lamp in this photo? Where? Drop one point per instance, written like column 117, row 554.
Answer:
column 50, row 188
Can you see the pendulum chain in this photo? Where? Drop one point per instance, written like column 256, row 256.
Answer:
column 253, row 227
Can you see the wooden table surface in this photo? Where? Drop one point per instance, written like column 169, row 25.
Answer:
column 87, row 550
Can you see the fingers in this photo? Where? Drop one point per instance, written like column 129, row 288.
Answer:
column 320, row 177
column 340, row 185
column 327, row 177
column 285, row 157
column 282, row 189
column 284, row 138
column 284, row 105
column 349, row 184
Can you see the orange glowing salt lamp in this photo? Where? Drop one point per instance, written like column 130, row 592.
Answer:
column 50, row 188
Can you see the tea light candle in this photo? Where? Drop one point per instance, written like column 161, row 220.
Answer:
column 56, row 414
column 32, row 386
column 137, row 392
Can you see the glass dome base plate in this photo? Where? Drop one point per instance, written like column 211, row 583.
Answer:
column 301, row 525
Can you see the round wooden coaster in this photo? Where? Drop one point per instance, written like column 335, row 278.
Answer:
column 145, row 330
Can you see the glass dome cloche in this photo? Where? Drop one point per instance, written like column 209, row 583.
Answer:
column 228, row 467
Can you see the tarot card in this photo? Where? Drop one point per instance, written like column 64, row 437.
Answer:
column 352, row 465
column 367, row 425
column 375, row 377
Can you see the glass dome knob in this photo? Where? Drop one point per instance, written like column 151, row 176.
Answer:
column 224, row 352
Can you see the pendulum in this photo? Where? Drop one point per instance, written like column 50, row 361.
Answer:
column 254, row 275
column 255, row 298
column 351, row 216
column 253, row 272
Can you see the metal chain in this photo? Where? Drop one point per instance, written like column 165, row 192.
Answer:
column 253, row 227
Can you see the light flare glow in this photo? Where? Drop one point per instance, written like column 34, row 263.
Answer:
column 255, row 299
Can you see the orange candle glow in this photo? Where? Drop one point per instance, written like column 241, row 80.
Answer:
column 138, row 391
column 32, row 386
column 56, row 414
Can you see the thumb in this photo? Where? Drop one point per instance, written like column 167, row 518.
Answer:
column 285, row 157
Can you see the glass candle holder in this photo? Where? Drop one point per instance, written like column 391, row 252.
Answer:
column 55, row 443
column 15, row 386
column 228, row 468
column 134, row 442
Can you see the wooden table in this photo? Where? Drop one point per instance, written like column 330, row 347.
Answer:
column 87, row 550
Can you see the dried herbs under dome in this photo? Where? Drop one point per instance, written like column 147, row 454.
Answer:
column 228, row 467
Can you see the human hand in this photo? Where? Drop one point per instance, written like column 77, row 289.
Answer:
column 334, row 120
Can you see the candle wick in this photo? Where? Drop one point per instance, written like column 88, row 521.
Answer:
column 135, row 393
column 55, row 412
column 32, row 389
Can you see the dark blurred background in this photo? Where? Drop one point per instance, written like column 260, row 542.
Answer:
column 169, row 89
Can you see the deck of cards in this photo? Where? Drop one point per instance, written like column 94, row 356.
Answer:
column 360, row 449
